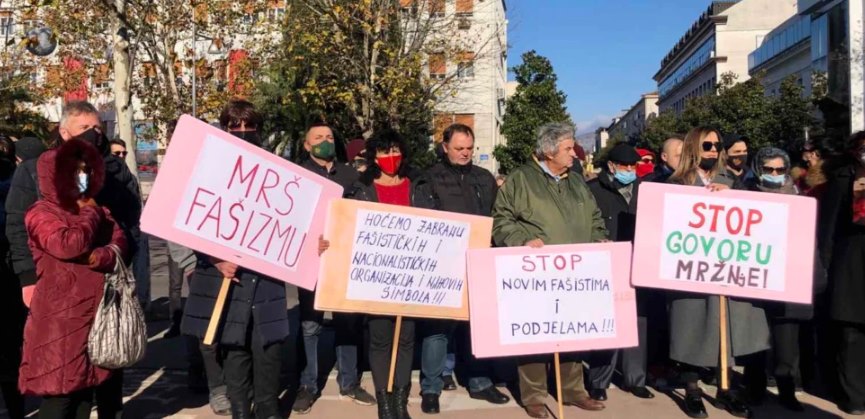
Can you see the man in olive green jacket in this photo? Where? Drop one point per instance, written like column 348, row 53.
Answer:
column 540, row 203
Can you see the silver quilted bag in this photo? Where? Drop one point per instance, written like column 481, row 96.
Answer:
column 118, row 337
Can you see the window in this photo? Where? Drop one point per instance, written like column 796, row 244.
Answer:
column 465, row 7
column 437, row 65
column 697, row 60
column 6, row 25
column 148, row 73
column 275, row 14
column 101, row 77
column 437, row 8
column 819, row 38
column 466, row 66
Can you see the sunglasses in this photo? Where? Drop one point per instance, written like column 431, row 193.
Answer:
column 708, row 146
column 774, row 170
column 120, row 153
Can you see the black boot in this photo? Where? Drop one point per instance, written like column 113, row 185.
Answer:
column 385, row 403
column 400, row 396
column 241, row 410
column 787, row 394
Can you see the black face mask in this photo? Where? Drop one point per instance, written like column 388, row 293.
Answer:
column 251, row 137
column 96, row 139
column 708, row 164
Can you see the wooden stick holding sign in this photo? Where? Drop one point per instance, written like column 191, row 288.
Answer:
column 218, row 308
column 723, row 321
column 396, row 331
column 558, row 365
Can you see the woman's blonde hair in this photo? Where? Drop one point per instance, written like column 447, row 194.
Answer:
column 692, row 148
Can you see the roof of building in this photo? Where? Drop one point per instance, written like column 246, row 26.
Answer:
column 717, row 7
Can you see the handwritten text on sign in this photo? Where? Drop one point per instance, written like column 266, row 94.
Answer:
column 555, row 297
column 408, row 259
column 251, row 205
column 724, row 241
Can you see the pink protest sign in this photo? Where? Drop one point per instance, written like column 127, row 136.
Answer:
column 565, row 298
column 226, row 198
column 740, row 244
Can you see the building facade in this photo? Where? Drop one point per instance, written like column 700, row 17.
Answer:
column 821, row 44
column 632, row 124
column 718, row 42
column 481, row 77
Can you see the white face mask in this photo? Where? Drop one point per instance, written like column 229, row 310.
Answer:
column 83, row 182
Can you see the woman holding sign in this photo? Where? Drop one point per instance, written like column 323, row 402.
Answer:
column 695, row 320
column 387, row 180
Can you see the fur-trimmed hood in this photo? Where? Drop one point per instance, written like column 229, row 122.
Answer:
column 58, row 173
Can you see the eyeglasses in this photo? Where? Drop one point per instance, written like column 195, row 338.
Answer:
column 121, row 154
column 708, row 146
column 775, row 170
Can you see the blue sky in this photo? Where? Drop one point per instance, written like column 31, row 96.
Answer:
column 604, row 52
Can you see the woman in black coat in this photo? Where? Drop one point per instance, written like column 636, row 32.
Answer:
column 841, row 238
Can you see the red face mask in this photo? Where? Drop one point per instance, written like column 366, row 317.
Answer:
column 389, row 164
column 644, row 168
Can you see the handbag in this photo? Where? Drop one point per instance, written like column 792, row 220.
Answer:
column 118, row 337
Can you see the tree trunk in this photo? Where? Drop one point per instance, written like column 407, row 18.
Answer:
column 122, row 84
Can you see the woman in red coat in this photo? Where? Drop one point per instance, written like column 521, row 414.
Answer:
column 69, row 237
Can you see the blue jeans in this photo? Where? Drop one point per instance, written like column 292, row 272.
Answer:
column 450, row 364
column 433, row 359
column 141, row 270
column 346, row 360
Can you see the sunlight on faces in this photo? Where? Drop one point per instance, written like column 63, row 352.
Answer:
column 564, row 157
column 460, row 149
column 672, row 153
column 713, row 152
column 621, row 167
column 77, row 124
column 316, row 136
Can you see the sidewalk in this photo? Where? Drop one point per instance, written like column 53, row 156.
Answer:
column 156, row 387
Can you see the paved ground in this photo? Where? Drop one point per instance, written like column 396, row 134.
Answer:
column 156, row 388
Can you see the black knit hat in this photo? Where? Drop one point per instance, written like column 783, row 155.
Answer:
column 29, row 148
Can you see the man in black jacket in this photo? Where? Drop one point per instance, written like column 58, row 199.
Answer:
column 615, row 191
column 454, row 185
column 671, row 154
column 120, row 194
column 320, row 145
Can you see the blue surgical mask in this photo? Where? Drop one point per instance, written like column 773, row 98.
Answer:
column 83, row 182
column 625, row 178
column 773, row 180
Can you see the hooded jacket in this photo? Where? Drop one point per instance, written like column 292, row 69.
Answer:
column 63, row 237
column 120, row 194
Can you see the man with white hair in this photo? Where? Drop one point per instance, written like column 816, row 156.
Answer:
column 541, row 203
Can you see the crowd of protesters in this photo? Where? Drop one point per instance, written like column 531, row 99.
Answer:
column 68, row 200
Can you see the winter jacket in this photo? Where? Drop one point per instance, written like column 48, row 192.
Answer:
column 792, row 311
column 620, row 215
column 256, row 300
column 842, row 246
column 12, row 307
column 344, row 175
column 533, row 205
column 463, row 189
column 62, row 239
column 695, row 328
column 120, row 195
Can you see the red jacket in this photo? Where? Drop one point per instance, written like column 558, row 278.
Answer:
column 68, row 291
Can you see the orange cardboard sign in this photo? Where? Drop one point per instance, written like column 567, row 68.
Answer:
column 395, row 260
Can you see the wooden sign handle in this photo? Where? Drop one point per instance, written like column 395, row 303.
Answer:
column 558, row 366
column 396, row 331
column 218, row 308
column 723, row 322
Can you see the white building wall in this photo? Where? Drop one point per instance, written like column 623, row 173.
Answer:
column 481, row 95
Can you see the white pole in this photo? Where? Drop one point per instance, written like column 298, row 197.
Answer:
column 194, row 63
column 857, row 65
